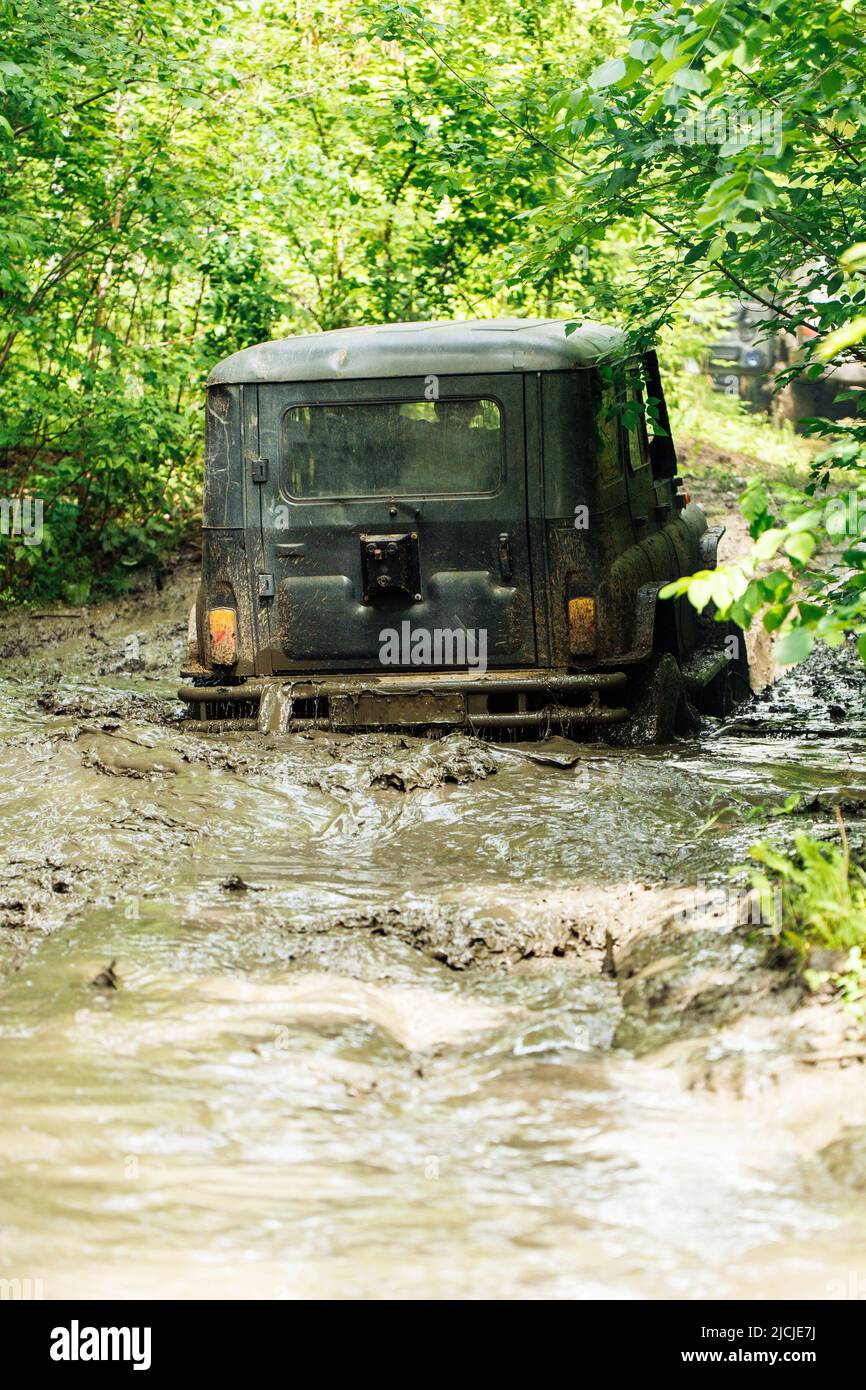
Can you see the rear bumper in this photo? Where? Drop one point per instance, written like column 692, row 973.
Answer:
column 497, row 700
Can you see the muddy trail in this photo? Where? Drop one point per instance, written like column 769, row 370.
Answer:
column 377, row 1017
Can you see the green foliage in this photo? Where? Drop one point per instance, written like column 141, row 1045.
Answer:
column 733, row 135
column 700, row 414
column 95, row 232
column 179, row 180
column 823, row 904
column 805, row 573
column 713, row 151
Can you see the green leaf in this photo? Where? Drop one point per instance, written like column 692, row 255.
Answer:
column 801, row 546
column 794, row 646
column 775, row 617
column 842, row 339
column 608, row 74
column 855, row 257
column 700, row 591
column 695, row 253
column 693, row 80
column 675, row 589
column 768, row 543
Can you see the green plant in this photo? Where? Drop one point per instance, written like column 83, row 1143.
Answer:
column 182, row 178
column 805, row 573
column 823, row 904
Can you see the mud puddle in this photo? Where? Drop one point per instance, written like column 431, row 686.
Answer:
column 394, row 1019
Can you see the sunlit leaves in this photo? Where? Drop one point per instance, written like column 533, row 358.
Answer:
column 181, row 179
column 745, row 132
column 608, row 74
column 795, row 645
column 799, row 603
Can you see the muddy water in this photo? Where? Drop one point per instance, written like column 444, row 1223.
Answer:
column 366, row 1037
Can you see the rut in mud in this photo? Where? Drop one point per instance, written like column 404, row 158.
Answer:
column 372, row 1016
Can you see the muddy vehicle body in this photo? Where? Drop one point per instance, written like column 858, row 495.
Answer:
column 743, row 357
column 441, row 525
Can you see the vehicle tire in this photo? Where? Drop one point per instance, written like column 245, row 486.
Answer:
column 662, row 710
column 721, row 697
column 756, row 394
column 731, row 687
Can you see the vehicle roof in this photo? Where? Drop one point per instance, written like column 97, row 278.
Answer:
column 423, row 349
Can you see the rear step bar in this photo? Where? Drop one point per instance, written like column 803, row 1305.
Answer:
column 281, row 704
column 306, row 687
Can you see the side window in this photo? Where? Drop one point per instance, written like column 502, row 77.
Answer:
column 609, row 455
column 637, row 441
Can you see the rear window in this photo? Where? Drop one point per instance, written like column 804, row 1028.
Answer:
column 392, row 449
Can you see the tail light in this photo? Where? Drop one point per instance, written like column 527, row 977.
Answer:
column 581, row 626
column 223, row 625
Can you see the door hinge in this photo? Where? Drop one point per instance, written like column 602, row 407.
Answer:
column 259, row 469
column 267, row 589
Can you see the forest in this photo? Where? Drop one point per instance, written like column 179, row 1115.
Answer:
column 180, row 181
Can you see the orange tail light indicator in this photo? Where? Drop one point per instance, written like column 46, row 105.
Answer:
column 223, row 624
column 581, row 626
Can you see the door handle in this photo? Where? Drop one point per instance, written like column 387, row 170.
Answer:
column 506, row 569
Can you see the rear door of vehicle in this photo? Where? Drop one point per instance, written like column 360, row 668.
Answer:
column 380, row 507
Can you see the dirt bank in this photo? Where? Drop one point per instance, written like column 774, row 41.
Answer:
column 142, row 633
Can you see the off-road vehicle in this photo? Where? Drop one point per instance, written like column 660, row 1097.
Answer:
column 447, row 525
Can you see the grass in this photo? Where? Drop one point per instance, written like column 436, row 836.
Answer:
column 823, row 906
column 718, row 424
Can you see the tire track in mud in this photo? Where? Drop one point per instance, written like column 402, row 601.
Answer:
column 111, row 797
column 406, row 953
